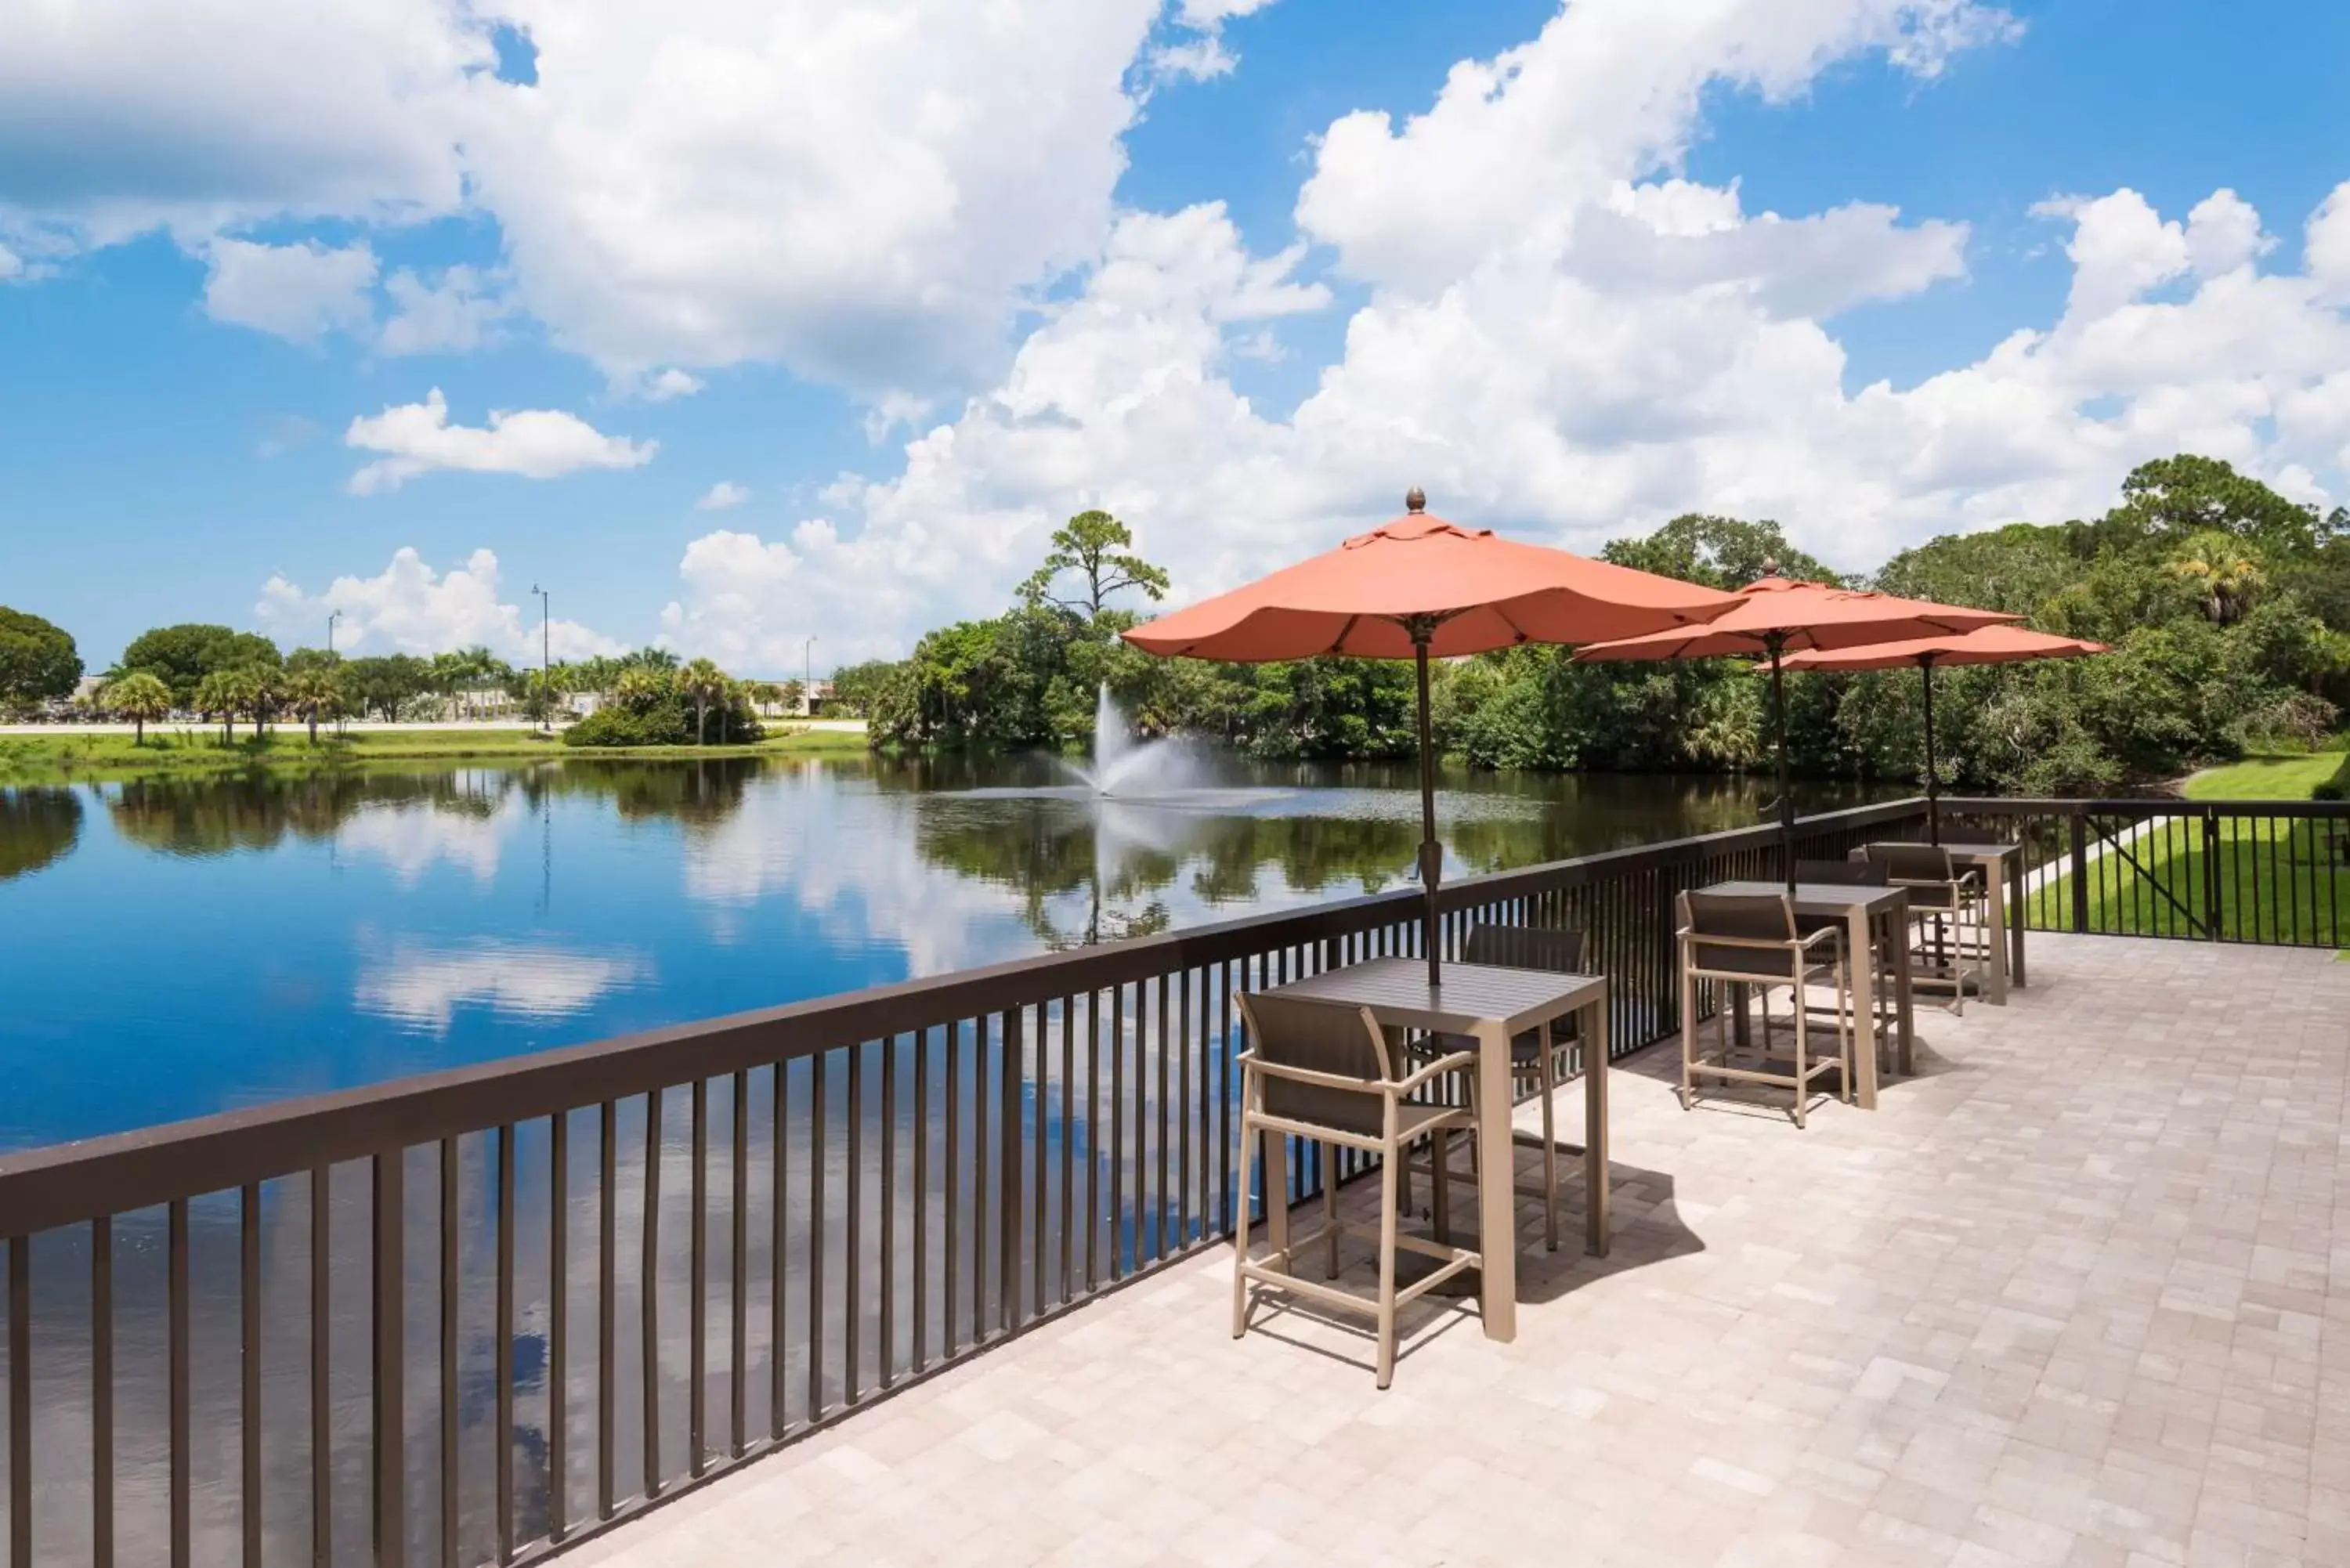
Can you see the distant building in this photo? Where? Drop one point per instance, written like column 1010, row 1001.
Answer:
column 813, row 696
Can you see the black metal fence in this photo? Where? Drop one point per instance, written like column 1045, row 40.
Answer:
column 476, row 1315
column 2275, row 872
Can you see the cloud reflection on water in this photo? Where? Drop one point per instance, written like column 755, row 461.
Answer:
column 424, row 987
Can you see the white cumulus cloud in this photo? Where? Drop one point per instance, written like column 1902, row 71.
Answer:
column 864, row 194
column 537, row 444
column 453, row 313
column 723, row 496
column 670, row 384
column 1589, row 343
column 298, row 292
column 409, row 608
column 117, row 117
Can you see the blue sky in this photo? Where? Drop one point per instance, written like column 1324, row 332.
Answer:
column 1556, row 301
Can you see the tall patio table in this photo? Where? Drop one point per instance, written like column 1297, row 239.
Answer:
column 1870, row 914
column 2002, row 866
column 1490, row 1006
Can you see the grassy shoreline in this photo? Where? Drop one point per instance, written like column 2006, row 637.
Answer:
column 72, row 758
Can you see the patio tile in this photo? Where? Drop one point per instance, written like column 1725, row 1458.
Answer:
column 2080, row 1294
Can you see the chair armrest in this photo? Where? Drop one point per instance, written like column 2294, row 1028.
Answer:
column 1762, row 944
column 1436, row 1069
column 1832, row 933
column 1308, row 1076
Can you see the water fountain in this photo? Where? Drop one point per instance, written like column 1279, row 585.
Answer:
column 1123, row 765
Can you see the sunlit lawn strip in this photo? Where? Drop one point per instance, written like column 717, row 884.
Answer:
column 50, row 758
column 2279, row 881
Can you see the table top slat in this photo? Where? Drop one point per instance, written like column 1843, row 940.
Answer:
column 1820, row 898
column 1396, row 992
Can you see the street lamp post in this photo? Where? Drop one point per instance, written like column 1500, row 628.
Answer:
column 332, row 616
column 546, row 664
column 808, row 676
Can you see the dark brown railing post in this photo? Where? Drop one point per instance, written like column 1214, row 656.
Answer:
column 2212, row 872
column 1007, row 1033
column 20, row 1402
column 391, row 1361
column 2078, row 823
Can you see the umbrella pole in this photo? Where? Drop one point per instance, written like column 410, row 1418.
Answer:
column 1432, row 855
column 1779, row 734
column 1933, row 793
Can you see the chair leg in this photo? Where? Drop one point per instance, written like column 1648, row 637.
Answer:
column 1802, row 1039
column 1550, row 1146
column 1845, row 1029
column 1241, row 1225
column 1439, row 1181
column 1689, row 1037
column 1956, row 954
column 1329, row 1211
column 1388, row 1262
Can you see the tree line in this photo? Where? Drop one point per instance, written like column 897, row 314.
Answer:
column 649, row 697
column 2227, row 606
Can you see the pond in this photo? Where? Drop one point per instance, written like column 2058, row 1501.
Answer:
column 175, row 948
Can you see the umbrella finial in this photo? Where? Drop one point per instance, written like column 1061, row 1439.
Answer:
column 1770, row 568
column 1415, row 499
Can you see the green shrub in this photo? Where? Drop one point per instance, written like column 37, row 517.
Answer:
column 662, row 723
column 2338, row 787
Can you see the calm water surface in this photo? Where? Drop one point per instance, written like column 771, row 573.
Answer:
column 177, row 948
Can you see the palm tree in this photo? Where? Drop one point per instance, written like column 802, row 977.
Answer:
column 2224, row 571
column 137, row 697
column 227, row 692
column 312, row 692
column 638, row 689
column 704, row 683
column 268, row 691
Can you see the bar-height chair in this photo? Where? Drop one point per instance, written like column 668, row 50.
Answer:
column 1883, row 953
column 1752, row 940
column 1954, row 903
column 1322, row 1071
column 1537, row 1057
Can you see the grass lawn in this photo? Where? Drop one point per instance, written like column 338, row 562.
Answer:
column 2265, row 778
column 64, row 757
column 2279, row 881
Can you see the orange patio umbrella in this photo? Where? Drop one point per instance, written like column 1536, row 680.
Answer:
column 1984, row 644
column 1421, row 588
column 1775, row 616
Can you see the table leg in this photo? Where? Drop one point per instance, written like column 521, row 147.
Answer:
column 1857, row 953
column 1497, row 1195
column 1740, row 1031
column 1905, row 1012
column 1276, row 1199
column 1595, row 1128
column 1995, row 901
column 2015, row 918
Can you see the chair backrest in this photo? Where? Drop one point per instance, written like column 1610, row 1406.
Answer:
column 1552, row 948
column 1750, row 917
column 1854, row 873
column 1321, row 1037
column 1913, row 862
